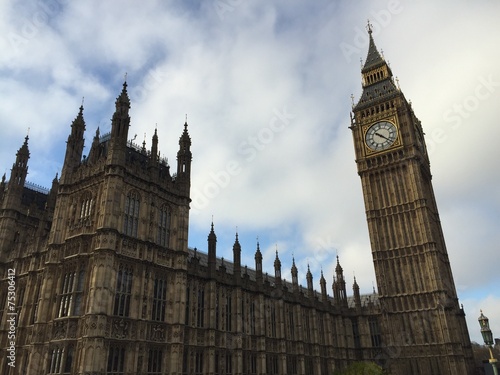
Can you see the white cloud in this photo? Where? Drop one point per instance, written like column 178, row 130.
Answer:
column 296, row 187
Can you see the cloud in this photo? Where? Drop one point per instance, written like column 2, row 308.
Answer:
column 231, row 71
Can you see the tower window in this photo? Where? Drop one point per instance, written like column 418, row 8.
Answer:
column 355, row 334
column 273, row 321
column 71, row 294
column 123, row 291
column 201, row 307
column 86, row 208
column 252, row 318
column 116, row 360
column 164, row 226
column 131, row 220
column 228, row 313
column 154, row 361
column 60, row 360
column 159, row 300
column 198, row 369
column 375, row 332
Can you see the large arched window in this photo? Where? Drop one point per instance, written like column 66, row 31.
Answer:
column 86, row 206
column 131, row 219
column 123, row 291
column 70, row 303
column 164, row 226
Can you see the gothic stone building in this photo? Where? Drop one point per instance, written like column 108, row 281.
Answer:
column 105, row 282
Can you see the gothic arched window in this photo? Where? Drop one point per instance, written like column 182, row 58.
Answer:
column 123, row 291
column 86, row 207
column 70, row 303
column 164, row 226
column 131, row 219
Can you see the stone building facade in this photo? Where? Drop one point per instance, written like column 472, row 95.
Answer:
column 105, row 282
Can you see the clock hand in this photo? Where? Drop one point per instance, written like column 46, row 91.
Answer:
column 382, row 136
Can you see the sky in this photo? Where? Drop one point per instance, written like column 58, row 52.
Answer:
column 267, row 89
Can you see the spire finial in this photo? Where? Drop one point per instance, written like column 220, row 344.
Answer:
column 352, row 100
column 369, row 27
column 125, row 77
column 83, row 99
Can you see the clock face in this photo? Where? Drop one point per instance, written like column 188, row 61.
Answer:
column 381, row 135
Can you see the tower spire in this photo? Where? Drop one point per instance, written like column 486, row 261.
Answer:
column 258, row 263
column 373, row 58
column 74, row 145
column 184, row 157
column 237, row 260
column 295, row 276
column 212, row 251
column 120, row 124
column 277, row 267
column 18, row 175
column 154, row 149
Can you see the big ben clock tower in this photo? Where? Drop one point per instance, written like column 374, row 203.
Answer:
column 422, row 322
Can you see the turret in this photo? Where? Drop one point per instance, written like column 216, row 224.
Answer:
column 153, row 161
column 309, row 278
column 277, row 269
column 51, row 199
column 3, row 186
column 295, row 278
column 212, row 253
column 95, row 149
column 322, row 283
column 74, row 145
column 119, row 128
column 258, row 264
column 18, row 175
column 339, row 288
column 237, row 260
column 184, row 158
column 357, row 296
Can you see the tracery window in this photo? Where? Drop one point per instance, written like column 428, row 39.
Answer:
column 86, row 206
column 159, row 299
column 131, row 218
column 154, row 361
column 200, row 314
column 164, row 226
column 198, row 368
column 60, row 360
column 123, row 291
column 228, row 312
column 375, row 332
column 116, row 360
column 70, row 302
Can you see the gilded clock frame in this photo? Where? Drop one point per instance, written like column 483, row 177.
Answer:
column 397, row 142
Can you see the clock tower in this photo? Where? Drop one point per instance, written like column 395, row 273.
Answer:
column 422, row 322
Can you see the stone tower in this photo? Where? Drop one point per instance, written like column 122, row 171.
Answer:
column 116, row 256
column 421, row 317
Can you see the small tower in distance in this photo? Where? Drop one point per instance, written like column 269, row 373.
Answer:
column 17, row 179
column 120, row 124
column 74, row 146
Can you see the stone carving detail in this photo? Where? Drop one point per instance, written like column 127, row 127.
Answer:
column 120, row 328
column 59, row 330
column 72, row 328
column 157, row 332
